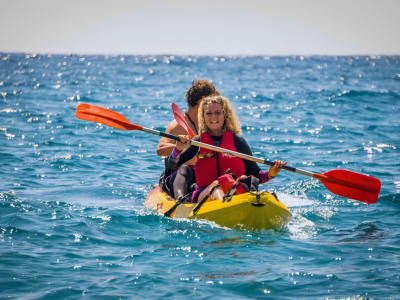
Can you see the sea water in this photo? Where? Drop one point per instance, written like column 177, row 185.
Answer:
column 72, row 220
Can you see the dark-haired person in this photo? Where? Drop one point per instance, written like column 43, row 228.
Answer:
column 178, row 182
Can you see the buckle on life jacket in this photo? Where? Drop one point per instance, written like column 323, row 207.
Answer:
column 205, row 155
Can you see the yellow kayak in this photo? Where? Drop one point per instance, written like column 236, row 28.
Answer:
column 251, row 211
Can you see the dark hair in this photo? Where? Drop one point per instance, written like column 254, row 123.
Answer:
column 199, row 89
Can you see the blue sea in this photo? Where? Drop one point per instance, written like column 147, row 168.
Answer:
column 72, row 220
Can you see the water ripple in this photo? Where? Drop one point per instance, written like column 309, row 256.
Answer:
column 72, row 221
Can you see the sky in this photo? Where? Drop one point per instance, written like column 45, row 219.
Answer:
column 202, row 27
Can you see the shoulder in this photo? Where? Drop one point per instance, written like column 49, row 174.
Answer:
column 204, row 135
column 238, row 138
column 174, row 128
column 241, row 143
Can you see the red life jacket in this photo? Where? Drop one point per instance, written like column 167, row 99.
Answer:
column 210, row 165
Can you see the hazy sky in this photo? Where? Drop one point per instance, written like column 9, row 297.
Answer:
column 201, row 27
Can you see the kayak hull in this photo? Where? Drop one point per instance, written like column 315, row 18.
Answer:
column 245, row 211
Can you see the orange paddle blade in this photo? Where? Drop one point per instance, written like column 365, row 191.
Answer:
column 180, row 119
column 104, row 116
column 351, row 185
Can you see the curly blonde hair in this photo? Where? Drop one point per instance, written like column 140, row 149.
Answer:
column 231, row 122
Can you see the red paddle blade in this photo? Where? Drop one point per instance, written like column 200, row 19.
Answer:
column 180, row 119
column 351, row 185
column 104, row 116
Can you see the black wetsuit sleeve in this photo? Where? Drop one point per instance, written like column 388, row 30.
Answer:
column 187, row 154
column 251, row 168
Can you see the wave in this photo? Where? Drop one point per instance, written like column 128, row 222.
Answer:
column 352, row 94
column 393, row 199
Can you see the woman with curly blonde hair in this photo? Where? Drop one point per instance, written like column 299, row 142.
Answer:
column 218, row 126
column 231, row 122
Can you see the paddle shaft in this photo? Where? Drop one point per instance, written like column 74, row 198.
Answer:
column 320, row 177
column 231, row 152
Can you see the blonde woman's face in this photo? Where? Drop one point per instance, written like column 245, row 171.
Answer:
column 214, row 117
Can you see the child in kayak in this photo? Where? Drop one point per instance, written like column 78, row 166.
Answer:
column 177, row 182
column 218, row 126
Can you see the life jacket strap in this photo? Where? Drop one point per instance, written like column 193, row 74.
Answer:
column 196, row 209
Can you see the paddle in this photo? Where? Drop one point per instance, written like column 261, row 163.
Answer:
column 341, row 182
column 180, row 119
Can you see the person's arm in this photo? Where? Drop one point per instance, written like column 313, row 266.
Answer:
column 177, row 157
column 166, row 145
column 251, row 167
